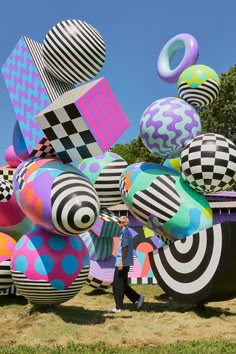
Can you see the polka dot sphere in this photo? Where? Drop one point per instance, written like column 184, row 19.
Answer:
column 198, row 85
column 167, row 125
column 41, row 255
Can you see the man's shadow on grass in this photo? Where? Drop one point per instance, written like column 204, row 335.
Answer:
column 167, row 304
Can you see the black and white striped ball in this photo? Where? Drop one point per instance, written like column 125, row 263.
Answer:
column 198, row 85
column 208, row 163
column 74, row 51
column 199, row 268
column 104, row 173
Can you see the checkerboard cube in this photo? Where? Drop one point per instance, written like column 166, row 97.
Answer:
column 83, row 122
column 31, row 89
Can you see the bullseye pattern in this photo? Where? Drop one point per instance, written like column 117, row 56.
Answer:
column 67, row 191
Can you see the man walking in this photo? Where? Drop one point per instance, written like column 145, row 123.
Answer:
column 124, row 259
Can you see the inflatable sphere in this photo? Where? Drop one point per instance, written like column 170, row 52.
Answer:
column 208, row 163
column 167, row 125
column 56, row 196
column 11, row 158
column 7, row 245
column 48, row 268
column 74, row 51
column 19, row 145
column 172, row 163
column 104, row 172
column 106, row 225
column 12, row 219
column 158, row 197
column 198, row 85
column 99, row 248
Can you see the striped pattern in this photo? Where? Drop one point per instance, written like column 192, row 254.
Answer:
column 187, row 267
column 5, row 275
column 159, row 199
column 75, row 205
column 199, row 96
column 74, row 51
column 42, row 292
column 84, row 122
column 99, row 248
column 143, row 280
column 106, row 225
column 103, row 270
column 10, row 291
column 107, row 184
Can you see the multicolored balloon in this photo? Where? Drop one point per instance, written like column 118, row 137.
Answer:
column 49, row 268
column 7, row 245
column 56, row 196
column 199, row 85
column 104, row 172
column 158, row 197
column 99, row 248
column 208, row 163
column 167, row 125
column 13, row 221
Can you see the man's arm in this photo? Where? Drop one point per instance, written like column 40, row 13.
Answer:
column 124, row 254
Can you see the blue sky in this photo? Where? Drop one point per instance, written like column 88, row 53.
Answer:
column 134, row 33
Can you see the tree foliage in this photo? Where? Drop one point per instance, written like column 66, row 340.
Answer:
column 220, row 116
column 135, row 151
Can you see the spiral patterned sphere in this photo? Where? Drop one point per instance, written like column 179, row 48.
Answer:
column 208, row 163
column 199, row 85
column 167, row 125
column 67, row 203
column 74, row 51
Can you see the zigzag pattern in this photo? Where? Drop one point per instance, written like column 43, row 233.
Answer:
column 27, row 92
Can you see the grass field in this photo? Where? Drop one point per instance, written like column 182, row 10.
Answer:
column 84, row 325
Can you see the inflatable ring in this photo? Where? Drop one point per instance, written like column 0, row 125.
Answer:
column 190, row 45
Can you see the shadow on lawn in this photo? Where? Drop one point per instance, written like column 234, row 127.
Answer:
column 13, row 300
column 71, row 314
column 167, row 304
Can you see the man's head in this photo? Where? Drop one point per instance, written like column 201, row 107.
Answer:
column 122, row 222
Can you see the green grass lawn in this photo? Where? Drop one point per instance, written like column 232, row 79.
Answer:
column 217, row 347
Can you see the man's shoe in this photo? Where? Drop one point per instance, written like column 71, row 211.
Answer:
column 115, row 310
column 140, row 302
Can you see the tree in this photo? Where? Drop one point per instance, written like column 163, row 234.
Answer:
column 220, row 116
column 135, row 151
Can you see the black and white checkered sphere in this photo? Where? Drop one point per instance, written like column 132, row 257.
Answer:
column 208, row 163
column 6, row 190
column 74, row 51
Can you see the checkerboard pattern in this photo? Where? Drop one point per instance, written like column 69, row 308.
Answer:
column 7, row 173
column 84, row 122
column 6, row 191
column 98, row 284
column 208, row 163
column 44, row 149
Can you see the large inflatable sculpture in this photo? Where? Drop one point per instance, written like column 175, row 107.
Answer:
column 61, row 177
